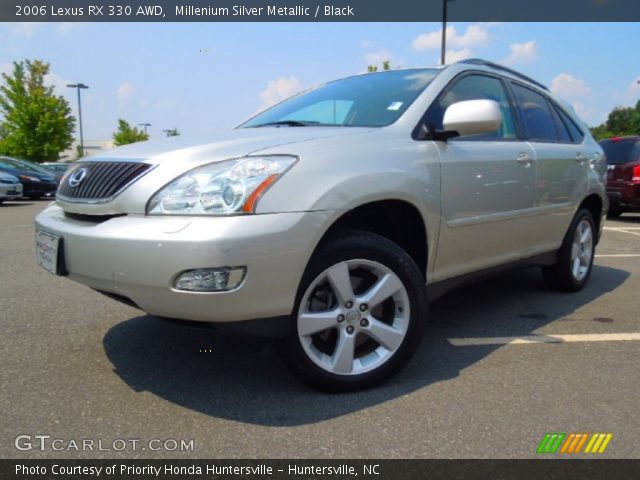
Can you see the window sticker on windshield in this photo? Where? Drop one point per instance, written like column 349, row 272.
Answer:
column 394, row 106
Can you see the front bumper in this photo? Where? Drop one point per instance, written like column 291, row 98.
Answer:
column 9, row 191
column 139, row 257
column 39, row 189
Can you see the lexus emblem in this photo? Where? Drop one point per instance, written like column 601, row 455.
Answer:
column 76, row 177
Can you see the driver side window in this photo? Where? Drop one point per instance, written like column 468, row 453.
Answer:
column 475, row 87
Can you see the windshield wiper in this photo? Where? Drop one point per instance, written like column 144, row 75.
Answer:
column 288, row 123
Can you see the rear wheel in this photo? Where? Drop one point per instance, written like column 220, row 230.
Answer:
column 359, row 315
column 575, row 257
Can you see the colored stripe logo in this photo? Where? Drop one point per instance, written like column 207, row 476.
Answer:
column 573, row 443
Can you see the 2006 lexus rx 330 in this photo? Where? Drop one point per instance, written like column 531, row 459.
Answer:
column 333, row 216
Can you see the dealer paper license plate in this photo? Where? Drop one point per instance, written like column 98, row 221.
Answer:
column 47, row 250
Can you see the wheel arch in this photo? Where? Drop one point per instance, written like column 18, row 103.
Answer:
column 594, row 204
column 397, row 220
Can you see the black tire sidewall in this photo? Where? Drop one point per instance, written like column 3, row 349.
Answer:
column 560, row 275
column 349, row 246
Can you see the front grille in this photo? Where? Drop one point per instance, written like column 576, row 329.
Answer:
column 102, row 180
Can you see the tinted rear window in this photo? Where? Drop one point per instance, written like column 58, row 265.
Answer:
column 621, row 151
column 537, row 115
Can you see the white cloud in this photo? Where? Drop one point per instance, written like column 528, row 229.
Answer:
column 633, row 91
column 125, row 91
column 376, row 58
column 474, row 36
column 568, row 86
column 522, row 53
column 278, row 90
column 24, row 29
column 64, row 28
column 58, row 83
column 584, row 112
column 453, row 56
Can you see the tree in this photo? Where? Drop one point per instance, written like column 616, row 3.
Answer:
column 386, row 65
column 621, row 121
column 37, row 124
column 127, row 134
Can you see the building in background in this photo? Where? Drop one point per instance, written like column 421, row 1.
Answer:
column 91, row 147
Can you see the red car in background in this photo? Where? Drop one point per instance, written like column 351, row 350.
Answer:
column 623, row 175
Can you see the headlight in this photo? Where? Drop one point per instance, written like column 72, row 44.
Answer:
column 222, row 188
column 29, row 178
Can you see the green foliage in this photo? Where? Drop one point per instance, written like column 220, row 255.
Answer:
column 386, row 65
column 621, row 121
column 37, row 125
column 127, row 134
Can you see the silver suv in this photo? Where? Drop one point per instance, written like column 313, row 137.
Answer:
column 333, row 217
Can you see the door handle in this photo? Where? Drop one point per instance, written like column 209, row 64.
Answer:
column 524, row 159
column 581, row 159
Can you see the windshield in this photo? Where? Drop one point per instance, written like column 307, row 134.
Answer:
column 373, row 100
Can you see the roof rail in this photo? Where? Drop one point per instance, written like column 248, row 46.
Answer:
column 497, row 66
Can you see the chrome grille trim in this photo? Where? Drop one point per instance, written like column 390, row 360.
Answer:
column 104, row 181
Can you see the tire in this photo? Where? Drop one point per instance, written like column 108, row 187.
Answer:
column 343, row 336
column 575, row 257
column 614, row 211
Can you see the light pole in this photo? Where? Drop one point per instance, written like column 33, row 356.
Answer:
column 79, row 86
column 145, row 125
column 444, row 30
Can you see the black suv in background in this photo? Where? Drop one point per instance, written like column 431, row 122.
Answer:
column 36, row 181
column 623, row 176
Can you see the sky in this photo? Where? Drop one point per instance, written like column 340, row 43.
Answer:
column 206, row 77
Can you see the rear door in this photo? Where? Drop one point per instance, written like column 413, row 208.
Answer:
column 562, row 176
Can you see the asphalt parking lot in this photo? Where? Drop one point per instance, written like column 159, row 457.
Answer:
column 76, row 365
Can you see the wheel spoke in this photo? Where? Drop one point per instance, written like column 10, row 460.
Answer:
column 340, row 280
column 314, row 322
column 343, row 354
column 585, row 236
column 576, row 267
column 384, row 334
column 381, row 290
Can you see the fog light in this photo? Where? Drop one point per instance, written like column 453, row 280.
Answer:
column 210, row 279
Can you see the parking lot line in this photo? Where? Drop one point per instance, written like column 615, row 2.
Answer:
column 623, row 230
column 560, row 338
column 620, row 255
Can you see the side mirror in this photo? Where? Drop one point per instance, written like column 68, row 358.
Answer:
column 473, row 117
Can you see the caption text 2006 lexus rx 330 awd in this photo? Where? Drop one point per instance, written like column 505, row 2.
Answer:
column 331, row 217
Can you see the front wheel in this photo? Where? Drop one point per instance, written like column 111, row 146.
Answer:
column 575, row 257
column 359, row 315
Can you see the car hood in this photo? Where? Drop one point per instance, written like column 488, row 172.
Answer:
column 172, row 157
column 235, row 143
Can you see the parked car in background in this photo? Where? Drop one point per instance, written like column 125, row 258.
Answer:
column 56, row 169
column 333, row 216
column 623, row 174
column 36, row 181
column 10, row 187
